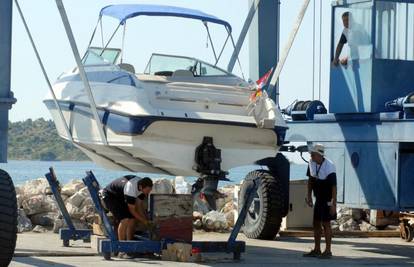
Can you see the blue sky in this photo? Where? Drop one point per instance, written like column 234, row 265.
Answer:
column 147, row 35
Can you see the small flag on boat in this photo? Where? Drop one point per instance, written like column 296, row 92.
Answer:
column 260, row 84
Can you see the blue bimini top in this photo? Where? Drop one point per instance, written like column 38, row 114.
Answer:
column 125, row 12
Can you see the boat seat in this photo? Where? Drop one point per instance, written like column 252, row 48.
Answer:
column 182, row 73
column 127, row 67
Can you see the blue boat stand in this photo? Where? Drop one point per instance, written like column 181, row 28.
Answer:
column 70, row 233
column 112, row 245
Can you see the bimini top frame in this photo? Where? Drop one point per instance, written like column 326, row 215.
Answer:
column 125, row 12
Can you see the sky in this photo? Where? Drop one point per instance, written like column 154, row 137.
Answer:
column 163, row 35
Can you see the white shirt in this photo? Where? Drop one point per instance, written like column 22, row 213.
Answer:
column 321, row 171
column 131, row 188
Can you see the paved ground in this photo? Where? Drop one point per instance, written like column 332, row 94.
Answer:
column 46, row 250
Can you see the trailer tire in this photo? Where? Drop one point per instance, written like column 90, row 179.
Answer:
column 407, row 233
column 8, row 218
column 265, row 215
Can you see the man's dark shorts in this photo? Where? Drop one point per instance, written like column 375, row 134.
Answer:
column 321, row 212
column 118, row 207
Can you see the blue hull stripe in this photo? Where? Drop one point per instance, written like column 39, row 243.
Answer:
column 125, row 124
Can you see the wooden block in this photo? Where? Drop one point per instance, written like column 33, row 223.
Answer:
column 384, row 218
column 98, row 229
column 173, row 215
column 95, row 240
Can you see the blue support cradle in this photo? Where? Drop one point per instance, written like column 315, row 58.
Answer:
column 110, row 245
column 70, row 233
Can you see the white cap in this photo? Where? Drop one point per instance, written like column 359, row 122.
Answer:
column 318, row 148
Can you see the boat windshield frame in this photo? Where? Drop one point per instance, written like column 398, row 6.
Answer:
column 217, row 53
column 196, row 69
column 93, row 50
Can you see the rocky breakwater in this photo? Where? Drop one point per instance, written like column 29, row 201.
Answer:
column 39, row 212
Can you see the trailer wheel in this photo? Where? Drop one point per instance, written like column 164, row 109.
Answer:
column 407, row 232
column 265, row 214
column 107, row 255
column 8, row 218
column 65, row 243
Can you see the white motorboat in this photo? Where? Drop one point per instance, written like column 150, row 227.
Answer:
column 155, row 120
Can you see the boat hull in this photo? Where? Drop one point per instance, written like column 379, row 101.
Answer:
column 166, row 145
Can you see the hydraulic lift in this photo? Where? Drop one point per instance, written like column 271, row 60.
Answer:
column 70, row 233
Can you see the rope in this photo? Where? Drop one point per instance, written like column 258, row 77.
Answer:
column 69, row 134
column 313, row 48
column 320, row 50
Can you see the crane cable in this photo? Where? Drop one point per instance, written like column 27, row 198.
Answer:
column 313, row 49
column 286, row 50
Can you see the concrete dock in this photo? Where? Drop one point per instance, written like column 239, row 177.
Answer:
column 46, row 250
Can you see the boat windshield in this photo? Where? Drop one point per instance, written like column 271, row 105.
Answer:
column 166, row 65
column 93, row 56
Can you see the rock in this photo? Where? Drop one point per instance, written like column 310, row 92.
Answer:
column 358, row 214
column 23, row 222
column 87, row 202
column 181, row 186
column 349, row 225
column 58, row 224
column 44, row 219
column 366, row 227
column 220, row 202
column 72, row 187
column 229, row 206
column 228, row 192
column 78, row 198
column 49, row 204
column 19, row 190
column 197, row 224
column 39, row 229
column 231, row 218
column 163, row 186
column 33, row 204
column 39, row 204
column 35, row 187
column 200, row 204
column 74, row 211
column 197, row 215
column 19, row 199
column 335, row 227
column 215, row 221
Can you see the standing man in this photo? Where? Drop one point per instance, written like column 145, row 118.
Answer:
column 126, row 198
column 322, row 182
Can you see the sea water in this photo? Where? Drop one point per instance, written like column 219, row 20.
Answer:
column 21, row 171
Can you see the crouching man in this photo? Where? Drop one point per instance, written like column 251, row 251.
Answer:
column 126, row 198
column 322, row 181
